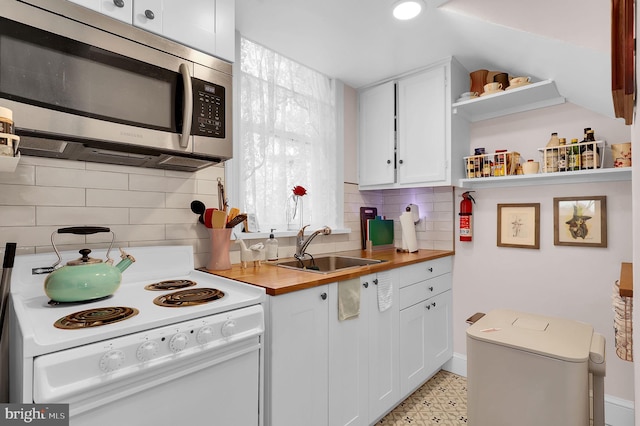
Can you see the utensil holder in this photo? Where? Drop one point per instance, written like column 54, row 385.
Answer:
column 220, row 243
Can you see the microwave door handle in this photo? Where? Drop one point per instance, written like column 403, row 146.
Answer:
column 187, row 113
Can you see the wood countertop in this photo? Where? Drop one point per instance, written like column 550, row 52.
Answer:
column 277, row 280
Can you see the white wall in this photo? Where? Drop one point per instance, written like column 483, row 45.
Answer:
column 570, row 282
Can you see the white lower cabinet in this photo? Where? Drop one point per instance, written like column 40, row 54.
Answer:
column 326, row 372
column 296, row 356
column 425, row 340
column 363, row 357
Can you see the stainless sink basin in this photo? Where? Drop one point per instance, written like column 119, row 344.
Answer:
column 327, row 264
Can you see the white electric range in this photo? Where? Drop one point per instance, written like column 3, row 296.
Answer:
column 124, row 370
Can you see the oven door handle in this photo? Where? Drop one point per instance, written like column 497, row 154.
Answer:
column 187, row 112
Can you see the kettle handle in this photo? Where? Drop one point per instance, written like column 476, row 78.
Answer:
column 82, row 230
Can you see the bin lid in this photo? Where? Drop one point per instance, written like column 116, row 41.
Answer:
column 559, row 338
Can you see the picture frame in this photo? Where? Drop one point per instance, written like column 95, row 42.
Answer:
column 251, row 223
column 580, row 221
column 519, row 225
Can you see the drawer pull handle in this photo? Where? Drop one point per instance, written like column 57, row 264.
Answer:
column 365, row 284
column 430, row 288
column 375, row 281
column 323, row 296
column 118, row 3
column 430, row 269
column 149, row 14
column 433, row 304
column 428, row 307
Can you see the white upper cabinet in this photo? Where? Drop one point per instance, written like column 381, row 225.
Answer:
column 407, row 132
column 376, row 151
column 118, row 9
column 205, row 25
column 421, row 124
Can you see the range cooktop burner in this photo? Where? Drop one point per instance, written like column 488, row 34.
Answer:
column 170, row 285
column 95, row 317
column 190, row 297
column 81, row 302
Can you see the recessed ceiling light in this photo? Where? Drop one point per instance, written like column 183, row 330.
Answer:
column 407, row 9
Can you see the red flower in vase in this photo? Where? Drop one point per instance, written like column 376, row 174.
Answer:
column 299, row 191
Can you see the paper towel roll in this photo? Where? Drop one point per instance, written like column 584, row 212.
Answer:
column 409, row 240
column 415, row 211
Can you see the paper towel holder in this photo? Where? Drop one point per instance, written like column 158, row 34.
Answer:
column 415, row 212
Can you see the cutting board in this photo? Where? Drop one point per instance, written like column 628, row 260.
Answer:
column 380, row 232
column 366, row 213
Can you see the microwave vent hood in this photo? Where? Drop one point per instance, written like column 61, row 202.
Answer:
column 57, row 146
column 84, row 86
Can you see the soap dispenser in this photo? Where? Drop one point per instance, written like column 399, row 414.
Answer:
column 272, row 247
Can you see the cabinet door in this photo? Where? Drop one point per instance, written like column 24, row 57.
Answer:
column 205, row 25
column 425, row 340
column 440, row 330
column 384, row 368
column 298, row 377
column 413, row 347
column 120, row 10
column 421, row 121
column 348, row 362
column 377, row 134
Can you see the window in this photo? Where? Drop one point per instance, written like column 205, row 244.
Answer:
column 287, row 137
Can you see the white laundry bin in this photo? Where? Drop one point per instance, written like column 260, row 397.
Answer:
column 529, row 370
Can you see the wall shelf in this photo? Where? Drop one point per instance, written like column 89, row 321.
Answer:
column 582, row 176
column 533, row 96
column 9, row 164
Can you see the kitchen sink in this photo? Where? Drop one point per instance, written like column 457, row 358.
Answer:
column 327, row 264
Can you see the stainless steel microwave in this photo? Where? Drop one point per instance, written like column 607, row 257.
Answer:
column 84, row 86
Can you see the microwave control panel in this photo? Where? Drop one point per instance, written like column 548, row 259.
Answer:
column 208, row 109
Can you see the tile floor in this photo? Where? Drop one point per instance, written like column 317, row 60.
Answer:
column 440, row 401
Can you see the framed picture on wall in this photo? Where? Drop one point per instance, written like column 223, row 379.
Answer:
column 519, row 225
column 580, row 221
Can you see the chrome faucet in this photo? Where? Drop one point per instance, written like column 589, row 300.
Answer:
column 302, row 244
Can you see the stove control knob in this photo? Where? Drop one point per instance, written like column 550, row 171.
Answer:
column 205, row 335
column 228, row 328
column 178, row 342
column 147, row 350
column 111, row 361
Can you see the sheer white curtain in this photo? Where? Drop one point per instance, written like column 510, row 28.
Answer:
column 287, row 138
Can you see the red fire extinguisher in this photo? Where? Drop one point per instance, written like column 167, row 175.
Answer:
column 466, row 211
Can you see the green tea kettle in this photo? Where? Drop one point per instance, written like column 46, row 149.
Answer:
column 85, row 278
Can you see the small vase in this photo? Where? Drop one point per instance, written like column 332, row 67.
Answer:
column 295, row 213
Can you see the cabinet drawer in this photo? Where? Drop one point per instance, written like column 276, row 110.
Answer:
column 423, row 290
column 411, row 274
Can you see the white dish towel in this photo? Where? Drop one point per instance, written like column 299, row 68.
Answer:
column 348, row 299
column 385, row 291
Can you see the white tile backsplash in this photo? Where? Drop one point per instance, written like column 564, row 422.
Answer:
column 18, row 215
column 142, row 207
column 29, row 195
column 71, row 216
column 146, row 207
column 113, row 198
column 56, row 176
column 23, row 175
column 436, row 207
